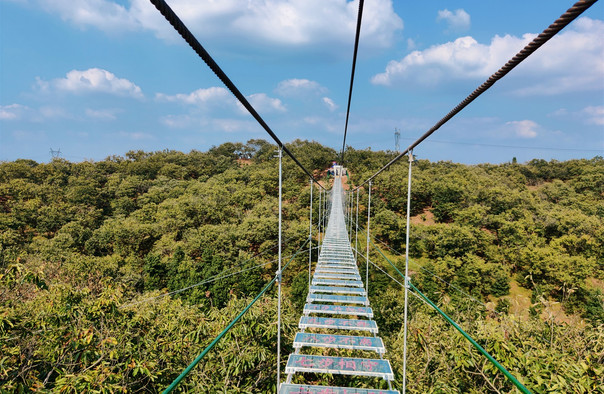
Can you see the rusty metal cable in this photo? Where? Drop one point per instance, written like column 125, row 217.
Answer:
column 571, row 14
column 186, row 34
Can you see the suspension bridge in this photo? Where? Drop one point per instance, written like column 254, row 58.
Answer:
column 337, row 332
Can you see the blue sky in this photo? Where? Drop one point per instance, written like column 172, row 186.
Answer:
column 95, row 78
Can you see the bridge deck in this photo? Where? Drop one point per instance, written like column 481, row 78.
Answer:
column 338, row 310
column 337, row 290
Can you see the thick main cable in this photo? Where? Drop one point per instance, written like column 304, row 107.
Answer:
column 186, row 34
column 354, row 64
column 571, row 14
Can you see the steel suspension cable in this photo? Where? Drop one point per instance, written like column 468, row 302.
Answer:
column 186, row 34
column 435, row 276
column 571, row 14
column 500, row 367
column 206, row 281
column 216, row 277
column 477, row 301
column 190, row 367
column 497, row 365
column 390, row 276
column 354, row 64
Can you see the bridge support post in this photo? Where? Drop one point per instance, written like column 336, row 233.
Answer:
column 367, row 251
column 319, row 222
column 325, row 213
column 351, row 213
column 407, row 273
column 310, row 236
column 356, row 237
column 279, row 273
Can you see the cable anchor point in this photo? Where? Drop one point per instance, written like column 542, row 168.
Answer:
column 278, row 275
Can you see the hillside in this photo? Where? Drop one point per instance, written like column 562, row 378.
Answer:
column 514, row 252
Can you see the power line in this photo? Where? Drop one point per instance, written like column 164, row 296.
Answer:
column 354, row 63
column 515, row 146
column 501, row 145
column 571, row 14
column 186, row 34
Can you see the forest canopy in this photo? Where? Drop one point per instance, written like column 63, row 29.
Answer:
column 513, row 252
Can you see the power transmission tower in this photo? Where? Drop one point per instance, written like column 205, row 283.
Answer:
column 55, row 153
column 397, row 137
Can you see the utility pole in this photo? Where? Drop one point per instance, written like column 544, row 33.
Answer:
column 55, row 153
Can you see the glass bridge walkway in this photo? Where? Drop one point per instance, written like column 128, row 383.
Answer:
column 337, row 316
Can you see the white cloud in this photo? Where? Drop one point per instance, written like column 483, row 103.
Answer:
column 105, row 15
column 232, row 125
column 299, row 87
column 91, row 81
column 572, row 61
column 41, row 114
column 200, row 97
column 523, row 128
column 411, row 45
column 12, row 111
column 594, row 114
column 28, row 136
column 263, row 103
column 330, row 104
column 312, row 24
column 206, row 124
column 176, row 121
column 102, row 114
column 463, row 58
column 136, row 135
column 327, row 124
column 559, row 112
column 313, row 120
column 456, row 21
column 52, row 112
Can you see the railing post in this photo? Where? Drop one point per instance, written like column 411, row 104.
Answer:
column 356, row 238
column 367, row 251
column 351, row 216
column 407, row 273
column 319, row 223
column 279, row 275
column 324, row 214
column 310, row 235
